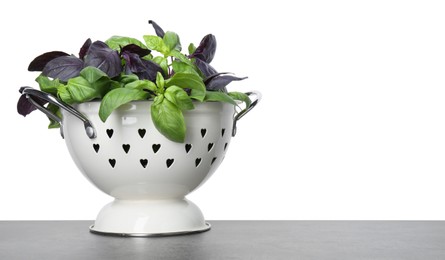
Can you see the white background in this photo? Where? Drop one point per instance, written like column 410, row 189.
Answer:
column 351, row 125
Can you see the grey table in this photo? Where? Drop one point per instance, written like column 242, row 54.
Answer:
column 343, row 240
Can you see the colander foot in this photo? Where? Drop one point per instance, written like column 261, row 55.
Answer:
column 145, row 218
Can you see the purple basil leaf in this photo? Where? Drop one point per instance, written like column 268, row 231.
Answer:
column 25, row 107
column 145, row 69
column 84, row 49
column 209, row 78
column 151, row 70
column 99, row 55
column 205, row 68
column 40, row 62
column 220, row 82
column 158, row 29
column 206, row 49
column 63, row 68
column 133, row 48
column 133, row 63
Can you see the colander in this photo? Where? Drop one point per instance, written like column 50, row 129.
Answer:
column 147, row 174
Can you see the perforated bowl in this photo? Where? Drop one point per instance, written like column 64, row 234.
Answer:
column 147, row 174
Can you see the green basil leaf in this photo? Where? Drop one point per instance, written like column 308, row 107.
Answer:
column 192, row 48
column 125, row 79
column 92, row 74
column 148, row 57
column 55, row 110
column 98, row 79
column 65, row 95
column 115, row 84
column 116, row 42
column 219, row 96
column 156, row 43
column 116, row 98
column 168, row 119
column 142, row 84
column 191, row 81
column 241, row 97
column 103, row 85
column 81, row 90
column 160, row 82
column 179, row 66
column 179, row 97
column 47, row 85
column 162, row 62
column 171, row 40
column 180, row 56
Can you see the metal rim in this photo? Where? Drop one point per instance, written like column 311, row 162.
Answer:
column 166, row 234
column 89, row 128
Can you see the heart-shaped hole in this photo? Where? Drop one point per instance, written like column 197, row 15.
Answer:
column 156, row 147
column 213, row 160
column 96, row 147
column 188, row 147
column 169, row 162
column 209, row 147
column 144, row 162
column 197, row 162
column 112, row 162
column 142, row 132
column 126, row 147
column 203, row 132
column 110, row 132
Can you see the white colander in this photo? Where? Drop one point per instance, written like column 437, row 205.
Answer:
column 147, row 174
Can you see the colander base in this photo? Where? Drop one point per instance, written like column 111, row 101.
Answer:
column 166, row 234
column 150, row 218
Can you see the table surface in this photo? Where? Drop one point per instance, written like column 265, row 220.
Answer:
column 231, row 240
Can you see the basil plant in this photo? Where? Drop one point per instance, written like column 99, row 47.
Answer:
column 124, row 69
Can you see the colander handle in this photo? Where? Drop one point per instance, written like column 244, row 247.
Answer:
column 254, row 101
column 32, row 93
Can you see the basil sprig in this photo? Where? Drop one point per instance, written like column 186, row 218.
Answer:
column 124, row 69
